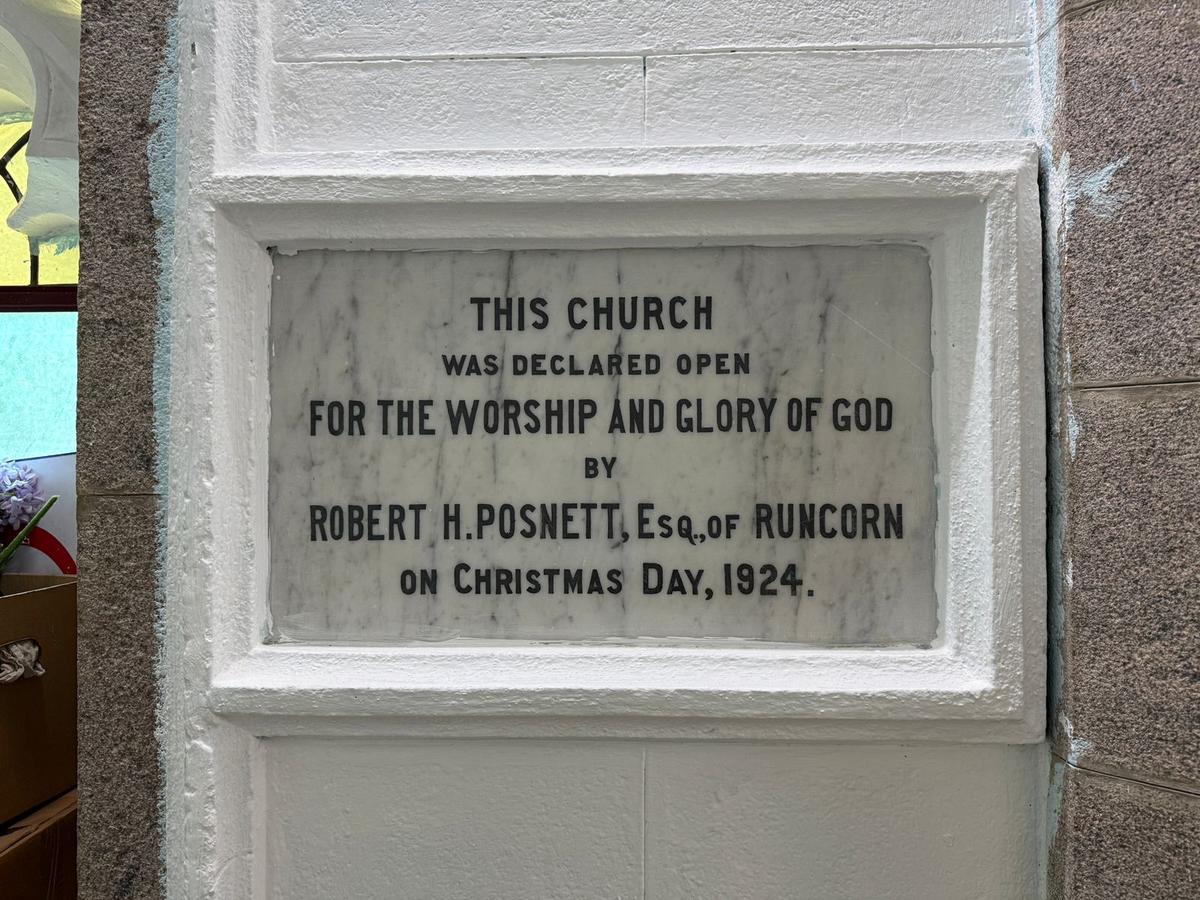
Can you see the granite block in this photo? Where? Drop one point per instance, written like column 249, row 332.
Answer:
column 121, row 61
column 1116, row 839
column 115, row 417
column 1126, row 130
column 1131, row 694
column 118, row 756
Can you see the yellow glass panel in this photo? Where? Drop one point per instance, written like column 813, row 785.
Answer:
column 14, row 246
column 58, row 264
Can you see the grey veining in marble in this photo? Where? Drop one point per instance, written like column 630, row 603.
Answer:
column 809, row 322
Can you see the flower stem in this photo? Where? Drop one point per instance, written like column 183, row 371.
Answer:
column 16, row 542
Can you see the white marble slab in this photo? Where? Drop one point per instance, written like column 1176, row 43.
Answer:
column 812, row 322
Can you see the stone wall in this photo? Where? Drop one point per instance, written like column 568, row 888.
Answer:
column 1126, row 699
column 1125, row 174
column 119, row 773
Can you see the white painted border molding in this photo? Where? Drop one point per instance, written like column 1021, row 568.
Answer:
column 974, row 208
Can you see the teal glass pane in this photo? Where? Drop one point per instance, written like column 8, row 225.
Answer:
column 37, row 384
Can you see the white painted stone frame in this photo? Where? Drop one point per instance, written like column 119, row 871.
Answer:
column 975, row 209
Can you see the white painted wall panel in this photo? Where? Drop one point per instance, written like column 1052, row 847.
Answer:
column 467, row 103
column 842, row 822
column 850, row 96
column 378, row 818
column 464, row 818
column 360, row 29
column 743, row 98
column 478, row 820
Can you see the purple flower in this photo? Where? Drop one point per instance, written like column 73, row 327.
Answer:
column 19, row 496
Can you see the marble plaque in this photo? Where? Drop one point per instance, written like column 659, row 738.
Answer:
column 679, row 444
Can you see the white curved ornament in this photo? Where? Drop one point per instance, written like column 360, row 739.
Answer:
column 39, row 83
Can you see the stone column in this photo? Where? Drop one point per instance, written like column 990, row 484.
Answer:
column 119, row 779
column 1124, row 213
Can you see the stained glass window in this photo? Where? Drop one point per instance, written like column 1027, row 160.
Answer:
column 55, row 261
column 37, row 349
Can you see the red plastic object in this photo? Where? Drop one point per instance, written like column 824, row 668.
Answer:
column 42, row 540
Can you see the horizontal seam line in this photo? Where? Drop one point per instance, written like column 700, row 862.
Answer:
column 639, row 54
column 1188, row 792
column 110, row 495
column 1122, row 385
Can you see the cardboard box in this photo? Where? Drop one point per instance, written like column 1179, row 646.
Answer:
column 37, row 715
column 37, row 853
